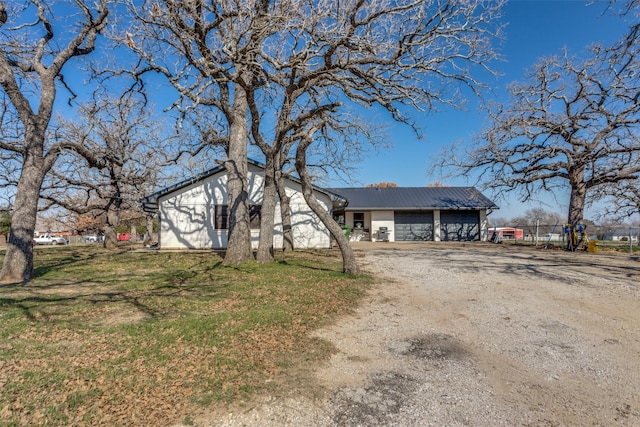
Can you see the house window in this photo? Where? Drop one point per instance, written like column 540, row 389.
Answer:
column 255, row 212
column 358, row 220
column 222, row 217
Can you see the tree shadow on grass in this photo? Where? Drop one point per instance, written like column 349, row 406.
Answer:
column 57, row 263
column 150, row 293
column 306, row 265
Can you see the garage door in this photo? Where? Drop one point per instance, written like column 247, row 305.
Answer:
column 413, row 225
column 459, row 225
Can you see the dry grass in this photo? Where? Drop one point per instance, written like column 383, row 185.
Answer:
column 154, row 338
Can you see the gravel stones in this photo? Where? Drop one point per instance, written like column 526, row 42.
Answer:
column 479, row 335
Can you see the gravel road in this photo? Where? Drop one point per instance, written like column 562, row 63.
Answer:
column 479, row 335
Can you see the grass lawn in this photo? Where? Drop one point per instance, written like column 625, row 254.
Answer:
column 155, row 338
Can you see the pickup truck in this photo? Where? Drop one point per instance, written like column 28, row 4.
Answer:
column 47, row 239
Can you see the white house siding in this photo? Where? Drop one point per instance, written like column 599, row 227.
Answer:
column 308, row 230
column 484, row 225
column 382, row 219
column 187, row 215
column 436, row 226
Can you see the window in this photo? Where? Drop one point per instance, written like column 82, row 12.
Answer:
column 222, row 217
column 358, row 220
column 255, row 212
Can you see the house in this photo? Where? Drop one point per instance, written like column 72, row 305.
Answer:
column 194, row 213
column 414, row 213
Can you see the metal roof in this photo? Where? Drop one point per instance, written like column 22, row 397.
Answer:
column 414, row 198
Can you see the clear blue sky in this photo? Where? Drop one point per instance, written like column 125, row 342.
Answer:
column 535, row 29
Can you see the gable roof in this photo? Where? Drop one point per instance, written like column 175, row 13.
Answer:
column 150, row 203
column 414, row 198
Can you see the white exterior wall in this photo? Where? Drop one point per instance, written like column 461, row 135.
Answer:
column 484, row 226
column 308, row 230
column 382, row 219
column 187, row 215
column 437, row 231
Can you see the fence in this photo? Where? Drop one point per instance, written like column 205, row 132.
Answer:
column 616, row 238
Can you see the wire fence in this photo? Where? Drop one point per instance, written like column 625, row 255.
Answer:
column 557, row 235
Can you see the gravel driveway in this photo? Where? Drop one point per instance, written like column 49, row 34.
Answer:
column 479, row 335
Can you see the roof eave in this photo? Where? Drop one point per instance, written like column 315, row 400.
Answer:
column 417, row 208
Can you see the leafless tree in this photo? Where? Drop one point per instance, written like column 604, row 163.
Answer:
column 10, row 131
column 622, row 199
column 620, row 202
column 537, row 216
column 289, row 62
column 36, row 44
column 573, row 123
column 204, row 50
column 113, row 158
column 382, row 185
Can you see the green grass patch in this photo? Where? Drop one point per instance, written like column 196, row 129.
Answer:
column 154, row 338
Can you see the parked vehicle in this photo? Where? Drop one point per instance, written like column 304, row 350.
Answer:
column 47, row 239
column 124, row 237
column 92, row 238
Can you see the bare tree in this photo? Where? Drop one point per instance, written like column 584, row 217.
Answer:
column 340, row 57
column 573, row 124
column 33, row 53
column 537, row 216
column 620, row 201
column 623, row 198
column 382, row 185
column 205, row 51
column 272, row 68
column 113, row 157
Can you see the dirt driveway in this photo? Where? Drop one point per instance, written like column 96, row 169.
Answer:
column 479, row 335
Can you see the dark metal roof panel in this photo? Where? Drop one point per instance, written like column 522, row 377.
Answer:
column 397, row 198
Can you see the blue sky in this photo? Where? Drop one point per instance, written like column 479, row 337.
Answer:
column 535, row 29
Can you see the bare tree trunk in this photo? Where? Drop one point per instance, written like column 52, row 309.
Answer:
column 349, row 264
column 578, row 195
column 18, row 260
column 267, row 213
column 110, row 237
column 148, row 236
column 239, row 240
column 285, row 212
column 111, row 228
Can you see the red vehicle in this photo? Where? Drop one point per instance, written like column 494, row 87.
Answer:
column 124, row 237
